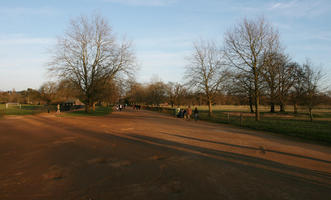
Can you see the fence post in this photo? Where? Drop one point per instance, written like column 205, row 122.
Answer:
column 228, row 116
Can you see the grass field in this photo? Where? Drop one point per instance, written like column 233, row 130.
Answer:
column 99, row 111
column 319, row 111
column 35, row 109
column 25, row 109
column 287, row 123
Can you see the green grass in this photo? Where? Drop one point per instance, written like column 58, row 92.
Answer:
column 27, row 109
column 302, row 128
column 99, row 111
column 24, row 110
column 287, row 123
column 319, row 111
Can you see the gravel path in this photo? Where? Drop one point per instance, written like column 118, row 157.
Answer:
column 147, row 155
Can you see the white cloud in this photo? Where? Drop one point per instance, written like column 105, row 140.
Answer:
column 26, row 41
column 302, row 8
column 143, row 2
column 284, row 5
column 16, row 11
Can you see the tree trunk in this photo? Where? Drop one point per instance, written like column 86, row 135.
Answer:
column 272, row 99
column 86, row 107
column 93, row 106
column 257, row 112
column 209, row 108
column 295, row 108
column 251, row 107
column 256, row 95
column 250, row 100
column 281, row 107
column 310, row 113
column 272, row 107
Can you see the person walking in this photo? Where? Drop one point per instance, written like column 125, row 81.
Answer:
column 196, row 114
column 189, row 112
column 177, row 111
column 184, row 113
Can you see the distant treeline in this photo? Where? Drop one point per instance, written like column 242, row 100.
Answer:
column 175, row 94
column 153, row 93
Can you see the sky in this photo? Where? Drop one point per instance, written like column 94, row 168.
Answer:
column 162, row 32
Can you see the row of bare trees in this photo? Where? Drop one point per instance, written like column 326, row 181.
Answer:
column 253, row 63
column 59, row 92
column 157, row 93
column 175, row 94
column 49, row 93
column 94, row 66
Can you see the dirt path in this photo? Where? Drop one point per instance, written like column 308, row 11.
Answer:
column 146, row 155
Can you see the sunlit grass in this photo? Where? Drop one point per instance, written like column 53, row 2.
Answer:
column 317, row 130
column 318, row 111
column 287, row 123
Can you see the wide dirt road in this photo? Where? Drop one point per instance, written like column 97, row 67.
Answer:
column 146, row 155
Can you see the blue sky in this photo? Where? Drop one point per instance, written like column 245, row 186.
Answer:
column 162, row 32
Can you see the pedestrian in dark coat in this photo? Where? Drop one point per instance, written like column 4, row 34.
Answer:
column 196, row 114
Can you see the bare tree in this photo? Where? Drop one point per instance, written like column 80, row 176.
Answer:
column 110, row 93
column 297, row 91
column 242, row 85
column 156, row 93
column 66, row 90
column 176, row 92
column 48, row 92
column 286, row 80
column 270, row 73
column 246, row 46
column 89, row 56
column 136, row 93
column 207, row 71
column 311, row 86
column 279, row 75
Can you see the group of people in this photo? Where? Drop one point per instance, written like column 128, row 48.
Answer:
column 187, row 113
column 136, row 107
column 121, row 107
